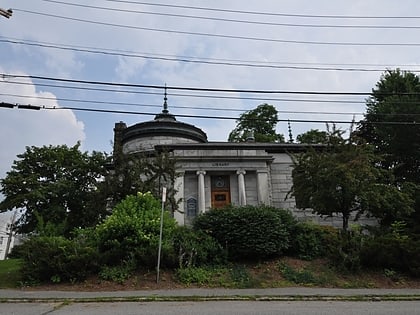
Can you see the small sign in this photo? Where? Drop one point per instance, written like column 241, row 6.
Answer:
column 163, row 194
column 191, row 207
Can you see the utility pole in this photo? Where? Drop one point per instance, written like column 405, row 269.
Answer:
column 6, row 13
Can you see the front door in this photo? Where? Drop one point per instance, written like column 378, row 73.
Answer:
column 220, row 191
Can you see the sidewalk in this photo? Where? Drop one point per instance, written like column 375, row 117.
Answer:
column 285, row 294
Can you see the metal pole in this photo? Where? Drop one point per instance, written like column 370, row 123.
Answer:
column 160, row 233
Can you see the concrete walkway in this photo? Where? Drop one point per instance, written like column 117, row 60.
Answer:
column 285, row 294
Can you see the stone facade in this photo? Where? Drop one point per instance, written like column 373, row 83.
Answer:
column 214, row 174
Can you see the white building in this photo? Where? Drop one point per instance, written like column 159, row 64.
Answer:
column 7, row 238
column 214, row 174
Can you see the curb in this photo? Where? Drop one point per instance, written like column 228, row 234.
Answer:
column 195, row 298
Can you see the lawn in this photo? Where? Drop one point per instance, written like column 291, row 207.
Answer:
column 10, row 276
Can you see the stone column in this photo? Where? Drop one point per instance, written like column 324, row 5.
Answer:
column 201, row 192
column 179, row 214
column 241, row 187
column 262, row 187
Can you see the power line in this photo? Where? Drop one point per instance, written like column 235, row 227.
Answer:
column 176, row 106
column 203, row 107
column 121, row 52
column 194, row 95
column 234, row 20
column 196, row 89
column 225, row 36
column 133, row 55
column 197, row 61
column 265, row 13
column 111, row 111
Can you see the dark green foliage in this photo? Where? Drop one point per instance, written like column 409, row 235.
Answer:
column 56, row 259
column 248, row 232
column 311, row 241
column 346, row 252
column 196, row 248
column 118, row 274
column 393, row 249
column 132, row 232
column 241, row 277
column 302, row 276
column 195, row 275
column 57, row 184
column 396, row 98
column 136, row 172
column 259, row 123
column 313, row 136
column 343, row 178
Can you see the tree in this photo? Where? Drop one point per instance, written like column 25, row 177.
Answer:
column 259, row 123
column 392, row 123
column 342, row 179
column 133, row 173
column 54, row 185
column 313, row 136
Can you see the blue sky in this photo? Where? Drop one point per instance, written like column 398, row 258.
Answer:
column 32, row 22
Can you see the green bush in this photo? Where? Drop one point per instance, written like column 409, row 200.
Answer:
column 56, row 259
column 387, row 252
column 195, row 275
column 310, row 240
column 132, row 232
column 345, row 254
column 249, row 232
column 196, row 248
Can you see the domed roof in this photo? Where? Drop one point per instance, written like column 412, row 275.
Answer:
column 166, row 126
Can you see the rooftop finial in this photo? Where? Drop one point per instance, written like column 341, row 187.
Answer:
column 290, row 132
column 165, row 103
column 165, row 115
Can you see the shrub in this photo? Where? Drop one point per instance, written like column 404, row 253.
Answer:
column 310, row 241
column 196, row 248
column 194, row 275
column 132, row 232
column 391, row 251
column 56, row 259
column 248, row 232
column 346, row 253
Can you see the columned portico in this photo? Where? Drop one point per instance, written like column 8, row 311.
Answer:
column 241, row 187
column 201, row 192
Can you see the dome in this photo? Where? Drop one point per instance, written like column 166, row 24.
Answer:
column 164, row 129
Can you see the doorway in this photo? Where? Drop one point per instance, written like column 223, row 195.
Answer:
column 220, row 191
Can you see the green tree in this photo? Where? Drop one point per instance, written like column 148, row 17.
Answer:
column 342, row 179
column 132, row 231
column 392, row 126
column 55, row 186
column 392, row 123
column 313, row 136
column 259, row 123
column 133, row 173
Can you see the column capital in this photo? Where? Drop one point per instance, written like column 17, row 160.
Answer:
column 201, row 172
column 240, row 172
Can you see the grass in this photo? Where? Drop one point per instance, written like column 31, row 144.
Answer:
column 10, row 276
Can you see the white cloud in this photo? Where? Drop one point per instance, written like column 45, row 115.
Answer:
column 21, row 127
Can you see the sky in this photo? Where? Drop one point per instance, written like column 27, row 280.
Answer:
column 293, row 46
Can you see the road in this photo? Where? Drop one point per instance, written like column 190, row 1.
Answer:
column 215, row 308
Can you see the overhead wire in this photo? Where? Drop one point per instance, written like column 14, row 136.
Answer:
column 196, row 61
column 121, row 52
column 234, row 20
column 224, row 36
column 261, row 12
column 112, row 111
